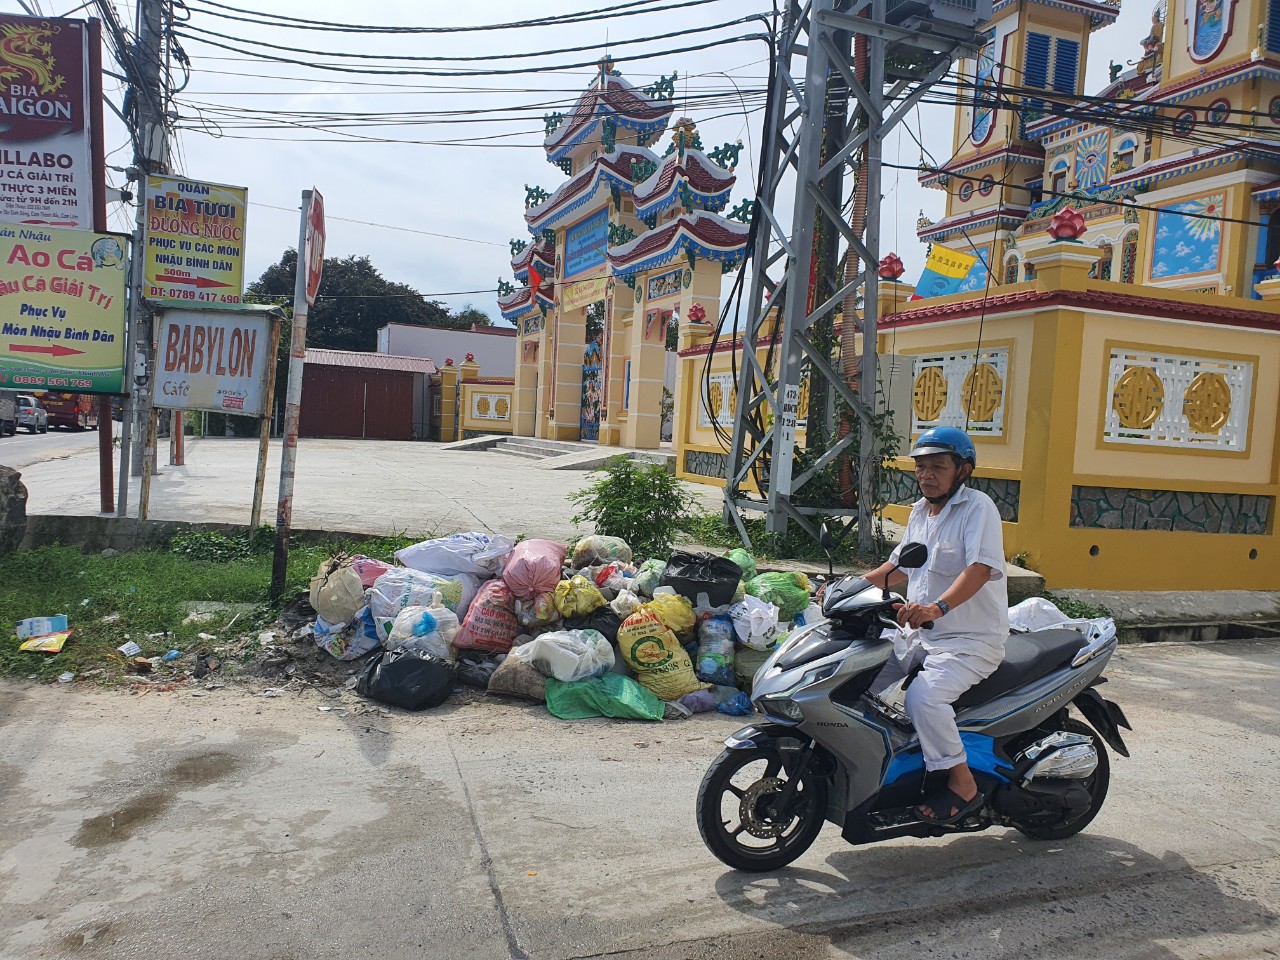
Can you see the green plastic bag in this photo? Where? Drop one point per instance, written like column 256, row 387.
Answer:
column 610, row 695
column 789, row 592
column 744, row 560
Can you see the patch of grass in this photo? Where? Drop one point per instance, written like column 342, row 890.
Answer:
column 1077, row 608
column 111, row 600
column 710, row 530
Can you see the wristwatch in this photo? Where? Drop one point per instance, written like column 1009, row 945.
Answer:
column 943, row 606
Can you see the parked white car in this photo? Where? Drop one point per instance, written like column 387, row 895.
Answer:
column 32, row 415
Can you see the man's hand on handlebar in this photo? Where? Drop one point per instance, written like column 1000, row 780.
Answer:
column 917, row 615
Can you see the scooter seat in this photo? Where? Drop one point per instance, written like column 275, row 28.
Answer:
column 1027, row 658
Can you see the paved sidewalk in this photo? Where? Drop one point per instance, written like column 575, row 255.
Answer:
column 378, row 487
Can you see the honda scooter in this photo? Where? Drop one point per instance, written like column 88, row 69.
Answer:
column 828, row 748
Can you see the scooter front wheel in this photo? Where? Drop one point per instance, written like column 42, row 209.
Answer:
column 738, row 816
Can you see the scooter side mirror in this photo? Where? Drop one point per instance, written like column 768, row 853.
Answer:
column 912, row 556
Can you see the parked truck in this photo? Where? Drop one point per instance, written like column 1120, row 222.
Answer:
column 76, row 411
column 8, row 413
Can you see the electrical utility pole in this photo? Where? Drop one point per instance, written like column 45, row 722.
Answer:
column 911, row 45
column 149, row 96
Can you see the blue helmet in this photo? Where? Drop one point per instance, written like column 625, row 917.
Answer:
column 950, row 440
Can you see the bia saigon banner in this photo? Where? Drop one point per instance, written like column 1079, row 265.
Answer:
column 62, row 302
column 46, row 144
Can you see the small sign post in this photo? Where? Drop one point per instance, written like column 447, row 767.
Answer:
column 305, row 287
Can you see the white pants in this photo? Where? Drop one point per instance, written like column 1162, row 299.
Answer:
column 946, row 675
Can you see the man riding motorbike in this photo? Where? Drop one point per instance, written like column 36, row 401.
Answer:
column 962, row 592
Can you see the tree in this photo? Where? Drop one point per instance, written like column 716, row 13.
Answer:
column 354, row 301
column 471, row 314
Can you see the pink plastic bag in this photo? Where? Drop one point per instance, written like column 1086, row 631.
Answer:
column 534, row 567
column 491, row 622
column 368, row 569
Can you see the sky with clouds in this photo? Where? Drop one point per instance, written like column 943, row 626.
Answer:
column 472, row 191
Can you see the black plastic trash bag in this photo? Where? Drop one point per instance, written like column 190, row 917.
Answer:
column 690, row 574
column 407, row 678
column 476, row 671
column 603, row 620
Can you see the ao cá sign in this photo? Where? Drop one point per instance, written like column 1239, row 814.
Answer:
column 213, row 360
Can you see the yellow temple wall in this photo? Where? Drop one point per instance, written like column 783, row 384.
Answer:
column 1136, row 438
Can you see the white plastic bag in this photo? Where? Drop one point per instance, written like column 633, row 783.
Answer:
column 756, row 622
column 1036, row 613
column 811, row 615
column 625, row 604
column 402, row 587
column 475, row 554
column 568, row 655
column 425, row 629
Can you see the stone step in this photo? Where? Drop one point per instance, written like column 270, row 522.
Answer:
column 563, row 446
column 522, row 454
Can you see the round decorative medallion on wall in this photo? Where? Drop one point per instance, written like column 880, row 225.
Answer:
column 966, row 191
column 482, row 406
column 502, row 407
column 688, row 278
column 715, row 397
column 1273, row 110
column 987, row 185
column 1218, row 112
column 1184, row 123
column 929, row 394
column 982, row 392
column 1138, row 398
column 1207, row 403
column 639, row 292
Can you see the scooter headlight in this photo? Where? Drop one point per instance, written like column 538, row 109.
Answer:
column 782, row 703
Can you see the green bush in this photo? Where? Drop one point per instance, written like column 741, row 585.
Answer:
column 638, row 501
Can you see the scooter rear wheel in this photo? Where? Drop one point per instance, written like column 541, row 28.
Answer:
column 1096, row 783
column 733, row 810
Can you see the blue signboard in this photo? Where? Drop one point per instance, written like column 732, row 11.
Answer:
column 585, row 243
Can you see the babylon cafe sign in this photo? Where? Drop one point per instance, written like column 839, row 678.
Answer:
column 46, row 140
column 214, row 359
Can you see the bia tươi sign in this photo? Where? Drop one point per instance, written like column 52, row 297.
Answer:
column 195, row 242
column 62, row 309
column 213, row 360
column 46, row 144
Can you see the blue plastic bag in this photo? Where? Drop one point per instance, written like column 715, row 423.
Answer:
column 736, row 706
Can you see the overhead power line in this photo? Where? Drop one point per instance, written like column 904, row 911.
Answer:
column 629, row 9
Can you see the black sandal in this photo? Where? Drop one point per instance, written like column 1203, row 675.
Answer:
column 948, row 799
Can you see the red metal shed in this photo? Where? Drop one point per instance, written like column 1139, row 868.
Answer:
column 373, row 396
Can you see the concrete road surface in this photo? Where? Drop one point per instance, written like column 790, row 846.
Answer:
column 380, row 487
column 168, row 825
column 23, row 449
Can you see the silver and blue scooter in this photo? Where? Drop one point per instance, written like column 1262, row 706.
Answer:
column 827, row 748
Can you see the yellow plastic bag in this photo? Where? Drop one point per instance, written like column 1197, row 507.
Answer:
column 676, row 613
column 654, row 653
column 578, row 597
column 50, row 643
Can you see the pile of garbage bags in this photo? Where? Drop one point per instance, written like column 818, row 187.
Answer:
column 586, row 628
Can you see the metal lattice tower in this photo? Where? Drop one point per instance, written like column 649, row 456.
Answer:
column 818, row 103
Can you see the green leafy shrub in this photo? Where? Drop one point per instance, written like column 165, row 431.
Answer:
column 638, row 501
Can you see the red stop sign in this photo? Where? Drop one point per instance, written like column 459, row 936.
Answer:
column 315, row 245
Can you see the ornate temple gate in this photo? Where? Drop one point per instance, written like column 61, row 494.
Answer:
column 592, row 374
